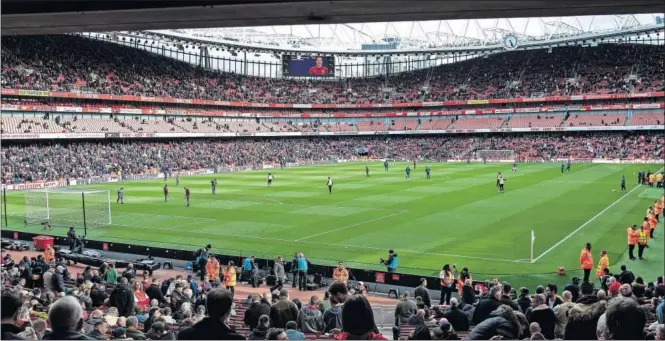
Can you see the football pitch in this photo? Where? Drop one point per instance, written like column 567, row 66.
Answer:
column 456, row 217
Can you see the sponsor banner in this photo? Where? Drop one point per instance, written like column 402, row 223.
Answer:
column 432, row 104
column 36, row 185
column 33, row 93
column 176, row 112
column 648, row 106
column 68, row 109
column 133, row 111
column 33, row 136
column 526, row 110
column 503, row 111
column 9, row 107
column 478, row 101
column 268, row 166
column 106, row 110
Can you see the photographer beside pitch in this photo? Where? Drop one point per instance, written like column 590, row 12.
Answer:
column 391, row 262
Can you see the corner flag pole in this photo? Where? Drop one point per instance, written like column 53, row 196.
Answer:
column 533, row 238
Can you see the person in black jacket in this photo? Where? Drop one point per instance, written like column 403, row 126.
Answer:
column 98, row 295
column 423, row 293
column 500, row 322
column 11, row 308
column 544, row 316
column 457, row 318
column 255, row 311
column 57, row 280
column 213, row 327
column 154, row 291
column 99, row 333
column 487, row 305
column 505, row 298
column 283, row 311
column 66, row 319
column 122, row 298
column 524, row 301
column 574, row 288
column 626, row 276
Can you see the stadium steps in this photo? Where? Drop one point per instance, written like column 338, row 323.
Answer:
column 505, row 122
column 629, row 117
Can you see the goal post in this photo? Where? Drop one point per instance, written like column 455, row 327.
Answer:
column 496, row 155
column 68, row 207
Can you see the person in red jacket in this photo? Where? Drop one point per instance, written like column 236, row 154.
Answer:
column 586, row 261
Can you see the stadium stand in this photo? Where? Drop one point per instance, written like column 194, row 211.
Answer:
column 29, row 125
column 534, row 121
column 656, row 118
column 596, row 120
column 477, row 123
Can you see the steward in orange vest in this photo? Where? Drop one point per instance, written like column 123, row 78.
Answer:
column 632, row 240
column 603, row 264
column 586, row 261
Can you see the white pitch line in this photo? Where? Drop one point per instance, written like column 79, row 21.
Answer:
column 349, row 226
column 585, row 224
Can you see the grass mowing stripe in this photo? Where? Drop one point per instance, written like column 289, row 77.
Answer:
column 350, row 226
column 585, row 224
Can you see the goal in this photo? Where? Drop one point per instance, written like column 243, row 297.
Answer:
column 68, row 207
column 495, row 155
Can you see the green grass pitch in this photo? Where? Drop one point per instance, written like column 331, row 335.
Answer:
column 456, row 217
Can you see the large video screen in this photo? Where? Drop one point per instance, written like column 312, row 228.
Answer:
column 308, row 66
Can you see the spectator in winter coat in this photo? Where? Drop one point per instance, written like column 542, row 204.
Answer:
column 292, row 332
column 574, row 288
column 500, row 322
column 213, row 327
column 57, row 280
column 487, row 305
column 98, row 295
column 95, row 316
column 255, row 311
column 154, row 291
column 561, row 314
column 122, row 298
column 423, row 293
column 310, row 318
column 524, row 301
column 404, row 309
column 582, row 320
column 457, row 318
column 99, row 330
column 283, row 311
column 468, row 294
column 332, row 317
column 544, row 316
column 421, row 332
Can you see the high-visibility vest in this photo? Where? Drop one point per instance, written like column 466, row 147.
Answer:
column 586, row 261
column 632, row 236
column 446, row 278
column 602, row 264
column 642, row 237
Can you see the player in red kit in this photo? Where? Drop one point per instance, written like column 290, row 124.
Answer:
column 166, row 193
column 318, row 69
column 514, row 166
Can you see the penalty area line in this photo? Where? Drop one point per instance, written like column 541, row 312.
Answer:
column 585, row 224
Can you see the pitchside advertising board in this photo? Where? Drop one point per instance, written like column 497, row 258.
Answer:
column 308, row 66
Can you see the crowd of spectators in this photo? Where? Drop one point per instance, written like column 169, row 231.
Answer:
column 32, row 162
column 73, row 63
column 43, row 300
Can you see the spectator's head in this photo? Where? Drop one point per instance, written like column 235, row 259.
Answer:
column 567, row 296
column 65, row 315
column 113, row 311
column 291, row 325
column 539, row 299
column 660, row 332
column 453, row 302
column 524, row 292
column 626, row 290
column 551, row 290
column 339, row 290
column 586, row 289
column 39, row 326
column 340, row 265
column 284, row 293
column 420, row 313
column 119, row 333
column 157, row 330
column 576, row 280
column 264, row 321
column 256, row 298
column 276, row 334
column 423, row 282
column 357, row 316
column 625, row 319
column 131, row 322
column 101, row 326
column 623, row 267
column 123, row 280
column 495, row 292
column 314, row 301
column 537, row 336
column 534, row 327
column 218, row 303
column 122, row 322
column 540, row 289
column 602, row 295
column 506, row 288
column 11, row 308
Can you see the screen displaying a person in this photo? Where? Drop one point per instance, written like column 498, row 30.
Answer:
column 318, row 69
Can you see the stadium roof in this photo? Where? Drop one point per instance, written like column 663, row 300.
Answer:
column 26, row 17
column 418, row 34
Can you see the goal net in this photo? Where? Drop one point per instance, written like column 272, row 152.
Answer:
column 495, row 155
column 68, row 207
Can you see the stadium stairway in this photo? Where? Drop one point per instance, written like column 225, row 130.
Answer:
column 505, row 122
